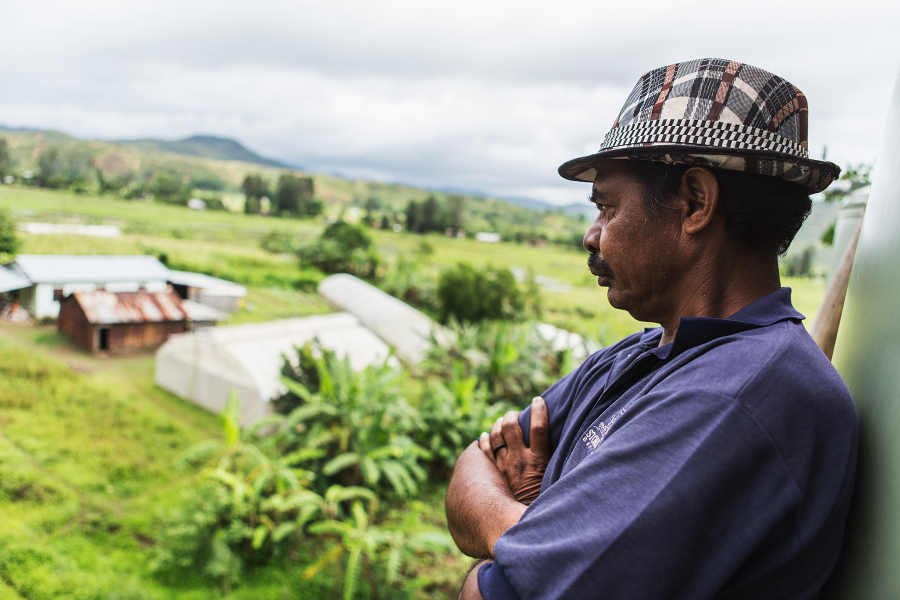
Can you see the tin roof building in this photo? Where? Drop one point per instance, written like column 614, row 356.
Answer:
column 119, row 322
column 53, row 277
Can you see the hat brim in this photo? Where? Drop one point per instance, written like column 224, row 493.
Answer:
column 812, row 175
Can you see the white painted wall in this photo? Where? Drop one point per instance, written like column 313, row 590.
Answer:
column 38, row 299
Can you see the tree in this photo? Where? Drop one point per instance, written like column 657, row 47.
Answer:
column 169, row 188
column 5, row 158
column 343, row 248
column 9, row 241
column 255, row 187
column 456, row 206
column 372, row 204
column 413, row 216
column 48, row 167
column 430, row 215
column 295, row 195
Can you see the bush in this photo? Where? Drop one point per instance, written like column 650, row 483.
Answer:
column 343, row 248
column 454, row 411
column 9, row 240
column 510, row 360
column 410, row 282
column 258, row 504
column 281, row 242
column 472, row 295
column 170, row 189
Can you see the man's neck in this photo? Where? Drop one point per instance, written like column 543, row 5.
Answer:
column 720, row 292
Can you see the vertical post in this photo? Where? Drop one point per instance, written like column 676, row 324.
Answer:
column 867, row 354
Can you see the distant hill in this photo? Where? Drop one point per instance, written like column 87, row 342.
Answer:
column 207, row 146
column 573, row 210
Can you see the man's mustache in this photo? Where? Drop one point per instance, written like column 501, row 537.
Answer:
column 598, row 266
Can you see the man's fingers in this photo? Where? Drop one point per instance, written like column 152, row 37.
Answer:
column 512, row 433
column 540, row 427
column 484, row 442
column 497, row 433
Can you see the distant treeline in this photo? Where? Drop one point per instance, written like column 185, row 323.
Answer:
column 292, row 196
column 88, row 168
column 78, row 169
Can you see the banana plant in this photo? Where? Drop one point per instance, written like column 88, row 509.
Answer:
column 225, row 453
column 358, row 539
column 386, row 548
column 362, row 423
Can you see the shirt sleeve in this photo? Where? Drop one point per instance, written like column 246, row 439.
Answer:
column 493, row 584
column 668, row 505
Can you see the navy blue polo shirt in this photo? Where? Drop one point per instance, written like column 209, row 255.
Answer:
column 718, row 466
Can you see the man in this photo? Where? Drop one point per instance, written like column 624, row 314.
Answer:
column 712, row 457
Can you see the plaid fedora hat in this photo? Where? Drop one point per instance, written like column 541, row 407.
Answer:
column 715, row 113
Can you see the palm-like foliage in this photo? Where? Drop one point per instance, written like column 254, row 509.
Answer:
column 383, row 546
column 362, row 424
column 267, row 497
column 454, row 411
column 511, row 360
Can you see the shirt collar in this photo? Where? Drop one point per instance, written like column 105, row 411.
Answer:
column 695, row 331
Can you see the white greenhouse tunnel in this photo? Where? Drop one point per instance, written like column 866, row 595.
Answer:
column 204, row 366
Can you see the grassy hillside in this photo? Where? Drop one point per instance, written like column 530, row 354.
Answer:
column 87, row 478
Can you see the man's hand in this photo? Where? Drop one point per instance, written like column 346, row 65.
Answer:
column 480, row 506
column 522, row 466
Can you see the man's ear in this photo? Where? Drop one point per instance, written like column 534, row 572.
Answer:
column 699, row 199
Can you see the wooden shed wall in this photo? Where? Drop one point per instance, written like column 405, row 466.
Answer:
column 132, row 336
column 73, row 323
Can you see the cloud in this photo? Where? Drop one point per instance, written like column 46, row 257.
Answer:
column 488, row 96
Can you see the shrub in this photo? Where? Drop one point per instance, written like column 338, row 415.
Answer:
column 454, row 410
column 256, row 501
column 343, row 248
column 9, row 240
column 281, row 242
column 511, row 360
column 410, row 282
column 472, row 295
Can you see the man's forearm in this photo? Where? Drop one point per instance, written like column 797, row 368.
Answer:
column 480, row 506
column 469, row 589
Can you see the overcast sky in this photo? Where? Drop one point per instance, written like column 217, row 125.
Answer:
column 486, row 96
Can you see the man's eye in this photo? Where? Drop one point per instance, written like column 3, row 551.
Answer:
column 600, row 206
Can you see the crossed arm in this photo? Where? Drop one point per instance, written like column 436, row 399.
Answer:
column 489, row 490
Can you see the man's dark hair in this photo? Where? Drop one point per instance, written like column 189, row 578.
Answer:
column 764, row 213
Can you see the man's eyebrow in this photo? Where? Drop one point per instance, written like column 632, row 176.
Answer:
column 596, row 195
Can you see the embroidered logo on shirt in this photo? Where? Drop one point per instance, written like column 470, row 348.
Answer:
column 597, row 433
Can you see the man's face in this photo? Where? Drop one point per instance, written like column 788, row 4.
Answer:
column 633, row 252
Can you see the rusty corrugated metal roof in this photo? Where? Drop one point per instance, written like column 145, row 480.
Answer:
column 106, row 308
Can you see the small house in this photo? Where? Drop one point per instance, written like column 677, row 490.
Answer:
column 118, row 322
column 53, row 277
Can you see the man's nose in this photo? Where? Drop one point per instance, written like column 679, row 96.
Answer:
column 591, row 241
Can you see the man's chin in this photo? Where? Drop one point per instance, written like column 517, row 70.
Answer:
column 614, row 297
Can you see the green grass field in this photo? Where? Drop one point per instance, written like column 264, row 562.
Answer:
column 87, row 473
